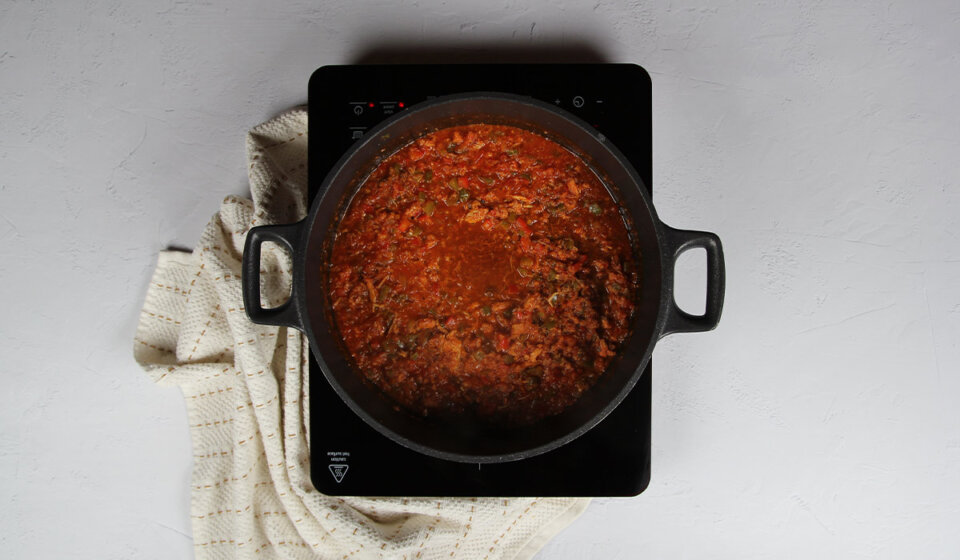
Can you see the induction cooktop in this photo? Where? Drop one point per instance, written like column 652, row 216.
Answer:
column 350, row 458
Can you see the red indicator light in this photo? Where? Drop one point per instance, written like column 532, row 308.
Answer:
column 370, row 104
column 400, row 104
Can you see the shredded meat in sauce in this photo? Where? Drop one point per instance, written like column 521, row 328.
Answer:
column 483, row 270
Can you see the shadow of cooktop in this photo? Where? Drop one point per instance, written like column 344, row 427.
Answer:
column 397, row 52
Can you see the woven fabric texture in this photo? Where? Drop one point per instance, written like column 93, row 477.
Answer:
column 246, row 389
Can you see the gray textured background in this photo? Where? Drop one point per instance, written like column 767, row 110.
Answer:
column 818, row 139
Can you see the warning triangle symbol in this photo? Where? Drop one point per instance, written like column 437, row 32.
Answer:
column 338, row 471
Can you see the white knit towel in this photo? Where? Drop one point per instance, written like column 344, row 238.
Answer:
column 246, row 393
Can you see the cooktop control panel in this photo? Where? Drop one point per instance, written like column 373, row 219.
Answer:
column 614, row 98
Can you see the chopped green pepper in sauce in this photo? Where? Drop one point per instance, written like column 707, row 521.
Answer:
column 499, row 302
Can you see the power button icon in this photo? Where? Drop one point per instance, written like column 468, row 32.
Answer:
column 578, row 101
column 358, row 110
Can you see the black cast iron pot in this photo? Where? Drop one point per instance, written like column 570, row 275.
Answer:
column 656, row 315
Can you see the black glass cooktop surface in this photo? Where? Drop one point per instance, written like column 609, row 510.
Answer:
column 348, row 457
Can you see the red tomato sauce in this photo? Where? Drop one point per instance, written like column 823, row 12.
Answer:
column 483, row 270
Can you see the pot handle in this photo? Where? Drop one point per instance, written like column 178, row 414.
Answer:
column 285, row 315
column 677, row 242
